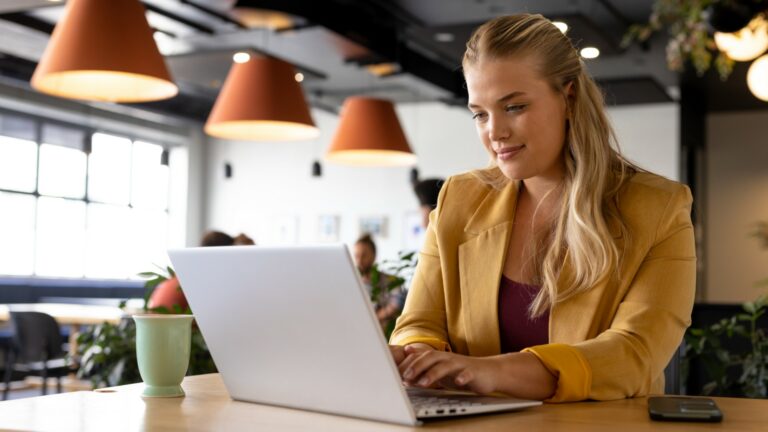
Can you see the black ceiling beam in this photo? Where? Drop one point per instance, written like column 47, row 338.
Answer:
column 178, row 18
column 216, row 14
column 28, row 21
column 373, row 26
column 35, row 23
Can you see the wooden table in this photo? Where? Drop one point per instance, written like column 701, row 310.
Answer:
column 73, row 315
column 207, row 407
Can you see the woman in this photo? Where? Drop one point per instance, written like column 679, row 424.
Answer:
column 562, row 272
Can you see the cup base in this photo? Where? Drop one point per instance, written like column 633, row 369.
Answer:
column 162, row 391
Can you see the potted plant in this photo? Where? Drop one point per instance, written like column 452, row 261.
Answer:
column 388, row 278
column 730, row 371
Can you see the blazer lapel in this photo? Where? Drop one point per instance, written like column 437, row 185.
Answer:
column 481, row 260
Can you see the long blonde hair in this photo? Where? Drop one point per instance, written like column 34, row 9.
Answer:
column 594, row 167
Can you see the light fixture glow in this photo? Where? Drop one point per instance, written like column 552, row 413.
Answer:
column 444, row 37
column 369, row 134
column 299, row 77
column 757, row 78
column 590, row 52
column 261, row 101
column 262, row 18
column 563, row 27
column 241, row 57
column 747, row 43
column 383, row 69
column 117, row 68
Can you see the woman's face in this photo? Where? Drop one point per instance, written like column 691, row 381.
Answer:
column 519, row 117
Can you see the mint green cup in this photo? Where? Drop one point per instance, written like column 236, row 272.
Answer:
column 162, row 351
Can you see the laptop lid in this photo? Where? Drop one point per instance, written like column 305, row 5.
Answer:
column 293, row 326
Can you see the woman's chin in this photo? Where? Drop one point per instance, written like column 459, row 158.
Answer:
column 510, row 172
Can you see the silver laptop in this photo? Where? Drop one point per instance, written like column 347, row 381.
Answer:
column 293, row 327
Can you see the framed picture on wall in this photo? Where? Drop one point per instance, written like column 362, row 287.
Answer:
column 413, row 233
column 328, row 228
column 374, row 225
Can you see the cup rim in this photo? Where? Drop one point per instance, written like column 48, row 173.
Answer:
column 160, row 316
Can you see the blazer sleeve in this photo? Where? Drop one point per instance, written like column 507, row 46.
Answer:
column 648, row 326
column 424, row 317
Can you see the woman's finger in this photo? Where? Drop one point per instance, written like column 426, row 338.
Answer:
column 443, row 368
column 398, row 353
column 422, row 363
column 408, row 362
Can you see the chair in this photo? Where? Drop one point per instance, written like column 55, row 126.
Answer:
column 672, row 381
column 36, row 349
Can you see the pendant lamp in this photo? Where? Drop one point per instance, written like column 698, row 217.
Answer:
column 757, row 78
column 747, row 43
column 261, row 101
column 369, row 133
column 103, row 51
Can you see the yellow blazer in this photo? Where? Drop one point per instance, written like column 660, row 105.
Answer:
column 610, row 342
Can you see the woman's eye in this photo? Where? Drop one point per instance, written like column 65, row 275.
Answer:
column 478, row 116
column 514, row 108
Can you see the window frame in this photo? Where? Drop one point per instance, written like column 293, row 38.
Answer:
column 39, row 124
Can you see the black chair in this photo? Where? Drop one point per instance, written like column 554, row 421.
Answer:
column 672, row 379
column 36, row 349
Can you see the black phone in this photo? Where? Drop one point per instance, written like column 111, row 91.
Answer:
column 681, row 408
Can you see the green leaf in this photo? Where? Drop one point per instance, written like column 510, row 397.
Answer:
column 160, row 310
column 749, row 307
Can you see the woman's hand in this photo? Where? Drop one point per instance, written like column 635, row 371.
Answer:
column 445, row 369
column 399, row 353
column 517, row 374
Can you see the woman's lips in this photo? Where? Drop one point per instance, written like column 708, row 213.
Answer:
column 506, row 153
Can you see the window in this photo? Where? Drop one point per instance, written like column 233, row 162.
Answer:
column 80, row 204
column 109, row 165
column 60, row 231
column 18, row 164
column 17, row 233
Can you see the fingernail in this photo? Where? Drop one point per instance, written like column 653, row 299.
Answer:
column 408, row 373
column 424, row 381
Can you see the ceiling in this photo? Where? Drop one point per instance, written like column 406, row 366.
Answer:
column 331, row 41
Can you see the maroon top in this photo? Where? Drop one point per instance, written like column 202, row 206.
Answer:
column 516, row 329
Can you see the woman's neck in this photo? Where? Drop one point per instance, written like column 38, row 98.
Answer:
column 540, row 189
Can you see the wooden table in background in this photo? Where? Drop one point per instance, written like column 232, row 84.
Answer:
column 207, row 407
column 73, row 315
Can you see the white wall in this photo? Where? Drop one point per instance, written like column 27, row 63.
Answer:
column 737, row 173
column 272, row 194
column 649, row 136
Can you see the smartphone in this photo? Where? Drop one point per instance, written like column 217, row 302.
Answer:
column 680, row 408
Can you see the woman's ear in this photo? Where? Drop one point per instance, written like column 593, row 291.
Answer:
column 569, row 92
column 569, row 89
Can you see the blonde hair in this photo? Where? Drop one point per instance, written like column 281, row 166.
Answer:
column 594, row 167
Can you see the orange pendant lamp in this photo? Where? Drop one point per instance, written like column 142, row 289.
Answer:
column 261, row 101
column 369, row 133
column 104, row 51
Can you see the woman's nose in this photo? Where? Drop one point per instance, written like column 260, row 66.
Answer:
column 498, row 129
